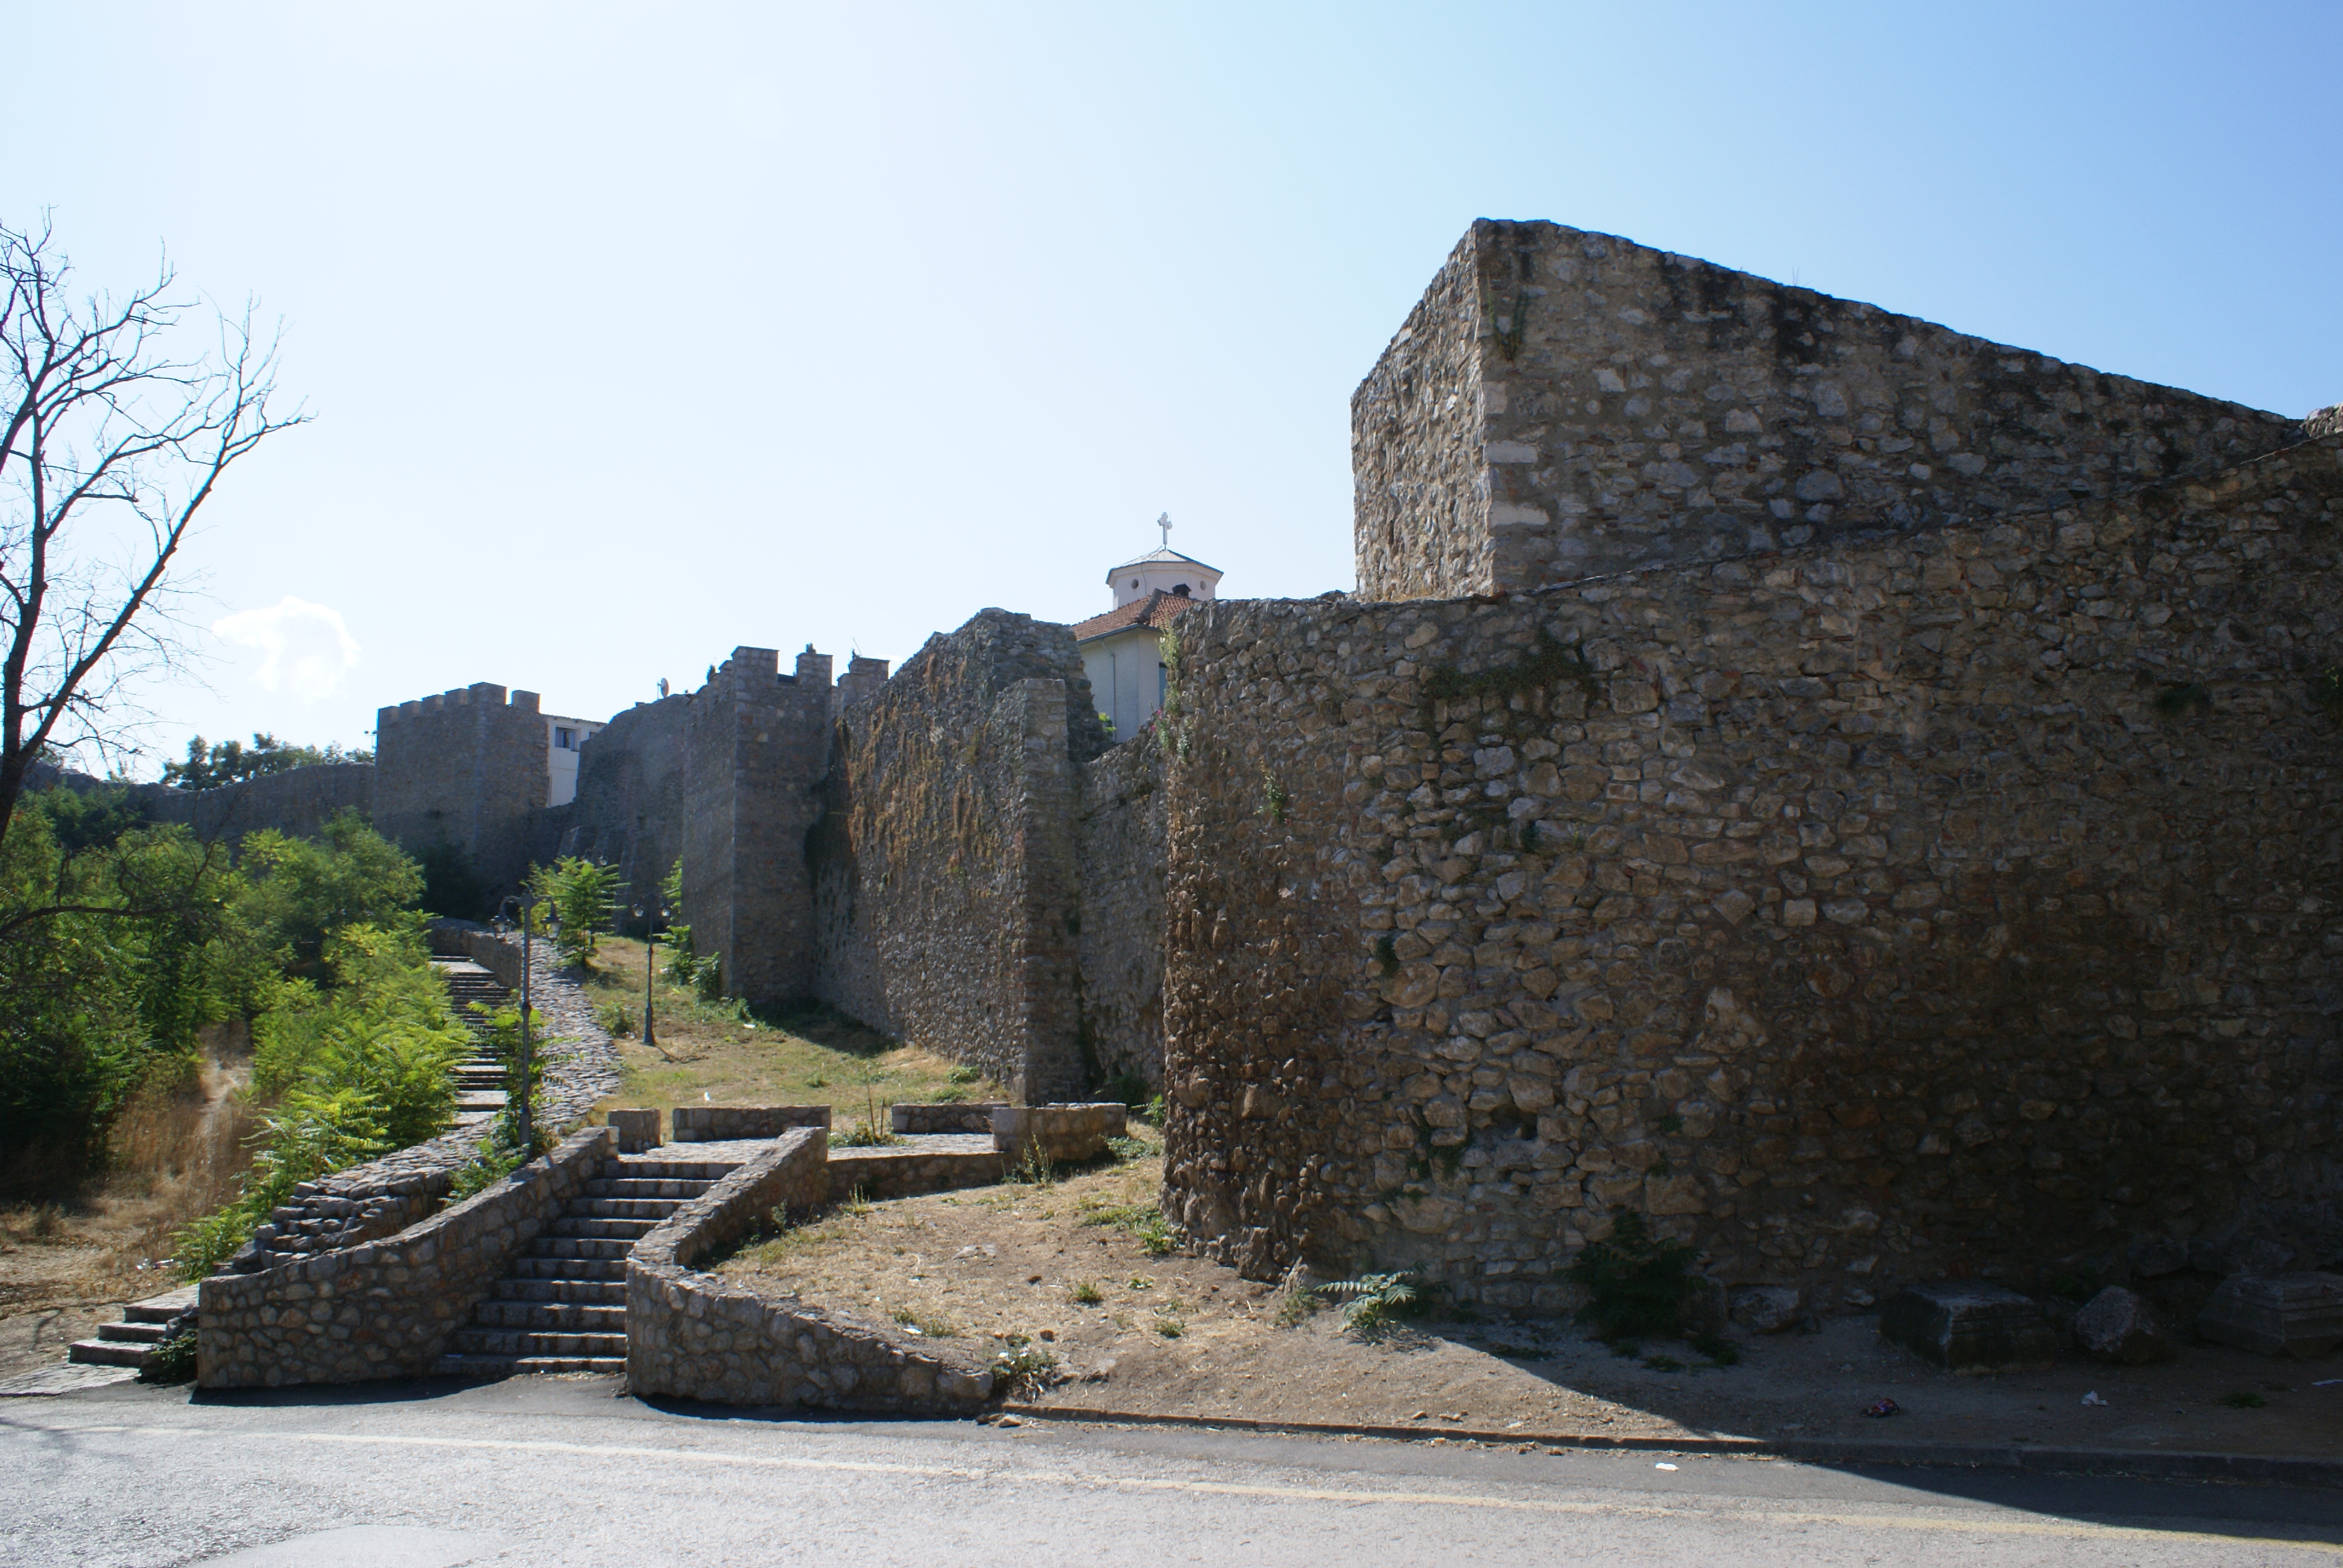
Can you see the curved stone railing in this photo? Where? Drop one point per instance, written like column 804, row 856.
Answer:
column 386, row 1308
column 692, row 1335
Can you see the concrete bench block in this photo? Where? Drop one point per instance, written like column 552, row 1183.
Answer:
column 636, row 1130
column 1069, row 1132
column 719, row 1123
column 2298, row 1315
column 1969, row 1328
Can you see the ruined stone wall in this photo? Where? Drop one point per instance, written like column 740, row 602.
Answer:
column 1943, row 903
column 298, row 802
column 629, row 810
column 944, row 864
column 1651, row 408
column 1120, row 837
column 464, row 768
column 756, row 746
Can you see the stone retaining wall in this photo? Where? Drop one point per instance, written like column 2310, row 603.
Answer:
column 385, row 1309
column 695, row 1336
column 715, row 1124
column 893, row 1171
column 1949, row 903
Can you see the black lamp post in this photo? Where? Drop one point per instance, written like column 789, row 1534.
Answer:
column 650, row 919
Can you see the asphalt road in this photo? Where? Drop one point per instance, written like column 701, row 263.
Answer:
column 547, row 1470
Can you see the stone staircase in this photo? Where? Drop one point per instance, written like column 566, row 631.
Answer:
column 129, row 1343
column 563, row 1307
column 480, row 1080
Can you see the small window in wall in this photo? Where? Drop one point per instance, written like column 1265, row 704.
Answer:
column 1178, row 590
column 566, row 739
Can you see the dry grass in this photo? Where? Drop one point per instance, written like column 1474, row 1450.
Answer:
column 66, row 1262
column 723, row 1053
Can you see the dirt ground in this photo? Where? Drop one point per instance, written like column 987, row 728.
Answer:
column 68, row 1262
column 987, row 1269
column 723, row 1053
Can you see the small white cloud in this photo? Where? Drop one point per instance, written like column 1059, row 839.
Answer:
column 306, row 649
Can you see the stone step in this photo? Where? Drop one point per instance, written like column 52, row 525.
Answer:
column 552, row 1317
column 667, row 1167
column 108, row 1353
column 600, row 1270
column 161, row 1308
column 487, row 1366
column 621, row 1208
column 582, row 1248
column 632, row 1187
column 601, row 1229
column 132, row 1333
column 526, row 1343
column 587, row 1292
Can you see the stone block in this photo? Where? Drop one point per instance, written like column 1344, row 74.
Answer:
column 2297, row 1315
column 719, row 1123
column 2159, row 1257
column 2118, row 1326
column 636, row 1130
column 1767, row 1309
column 1969, row 1328
column 975, row 1117
column 1069, row 1132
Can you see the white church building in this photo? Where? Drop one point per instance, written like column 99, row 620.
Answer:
column 1123, row 650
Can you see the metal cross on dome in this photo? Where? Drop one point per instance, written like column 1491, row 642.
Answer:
column 1164, row 522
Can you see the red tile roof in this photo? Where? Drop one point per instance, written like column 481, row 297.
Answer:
column 1157, row 610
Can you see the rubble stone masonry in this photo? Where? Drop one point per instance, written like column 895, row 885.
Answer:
column 1882, row 907
column 945, row 877
column 464, row 768
column 1120, row 843
column 755, row 745
column 1564, row 405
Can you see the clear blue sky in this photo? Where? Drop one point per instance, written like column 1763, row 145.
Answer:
column 637, row 333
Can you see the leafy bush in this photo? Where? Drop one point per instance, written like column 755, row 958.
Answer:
column 583, row 896
column 173, row 1361
column 1024, row 1369
column 501, row 1154
column 1636, row 1283
column 1372, row 1302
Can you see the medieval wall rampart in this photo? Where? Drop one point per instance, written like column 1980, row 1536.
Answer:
column 467, row 770
column 1121, row 837
column 297, row 802
column 1948, row 902
column 628, row 810
column 945, row 883
column 756, row 746
column 1564, row 405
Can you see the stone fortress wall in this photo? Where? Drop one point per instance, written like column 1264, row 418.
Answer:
column 298, row 802
column 628, row 808
column 1564, row 405
column 466, row 768
column 756, row 746
column 1951, row 887
column 946, row 882
column 1122, row 828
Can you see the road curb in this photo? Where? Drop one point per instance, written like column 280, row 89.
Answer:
column 2285, row 1470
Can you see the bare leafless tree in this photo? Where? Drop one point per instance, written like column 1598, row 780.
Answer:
column 116, row 436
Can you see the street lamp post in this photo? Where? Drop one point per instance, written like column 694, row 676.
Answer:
column 650, row 918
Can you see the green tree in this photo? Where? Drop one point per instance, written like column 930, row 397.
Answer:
column 583, row 896
column 229, row 763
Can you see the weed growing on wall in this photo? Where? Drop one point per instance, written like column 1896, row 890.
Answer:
column 1273, row 797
